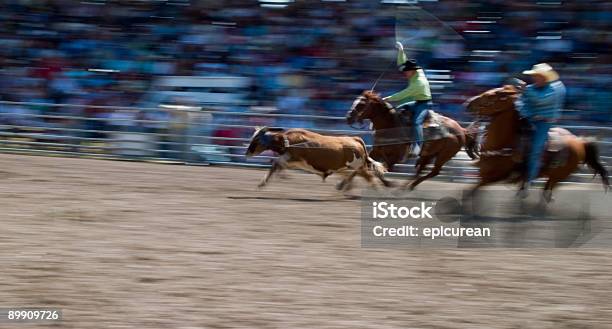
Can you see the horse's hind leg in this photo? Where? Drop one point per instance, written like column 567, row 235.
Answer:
column 433, row 173
column 548, row 188
column 422, row 162
column 442, row 157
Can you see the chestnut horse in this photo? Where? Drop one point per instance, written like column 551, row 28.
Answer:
column 500, row 154
column 393, row 136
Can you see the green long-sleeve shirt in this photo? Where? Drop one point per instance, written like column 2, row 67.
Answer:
column 418, row 87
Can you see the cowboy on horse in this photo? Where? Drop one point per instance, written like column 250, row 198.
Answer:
column 416, row 98
column 445, row 136
column 540, row 105
column 501, row 148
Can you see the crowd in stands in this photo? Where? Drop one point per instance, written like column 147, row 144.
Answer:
column 306, row 57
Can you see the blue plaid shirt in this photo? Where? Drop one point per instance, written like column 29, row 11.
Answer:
column 542, row 103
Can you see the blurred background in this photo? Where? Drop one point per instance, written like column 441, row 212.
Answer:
column 188, row 80
column 121, row 244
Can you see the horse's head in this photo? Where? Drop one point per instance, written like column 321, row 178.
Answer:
column 365, row 107
column 493, row 101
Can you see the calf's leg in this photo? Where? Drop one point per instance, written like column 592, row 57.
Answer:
column 276, row 166
column 345, row 183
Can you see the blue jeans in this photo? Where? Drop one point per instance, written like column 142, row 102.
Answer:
column 419, row 112
column 540, row 136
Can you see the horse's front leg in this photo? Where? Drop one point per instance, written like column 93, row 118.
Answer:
column 470, row 194
column 487, row 179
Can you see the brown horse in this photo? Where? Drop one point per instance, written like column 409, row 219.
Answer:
column 501, row 154
column 393, row 136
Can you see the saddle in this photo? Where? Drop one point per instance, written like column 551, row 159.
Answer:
column 433, row 126
column 556, row 151
column 556, row 139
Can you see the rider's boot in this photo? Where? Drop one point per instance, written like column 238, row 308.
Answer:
column 416, row 150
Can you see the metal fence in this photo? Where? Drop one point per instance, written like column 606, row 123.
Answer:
column 186, row 135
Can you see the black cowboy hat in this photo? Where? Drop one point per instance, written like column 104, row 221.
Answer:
column 409, row 65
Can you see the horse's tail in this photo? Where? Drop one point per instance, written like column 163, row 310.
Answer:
column 471, row 140
column 592, row 160
column 378, row 168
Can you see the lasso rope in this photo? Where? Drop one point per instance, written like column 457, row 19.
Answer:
column 381, row 75
column 400, row 140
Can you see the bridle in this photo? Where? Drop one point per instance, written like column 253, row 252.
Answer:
column 357, row 114
column 368, row 102
column 503, row 152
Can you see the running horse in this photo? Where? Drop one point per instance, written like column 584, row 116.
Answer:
column 501, row 152
column 393, row 136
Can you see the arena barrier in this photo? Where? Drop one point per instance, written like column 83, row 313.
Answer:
column 190, row 135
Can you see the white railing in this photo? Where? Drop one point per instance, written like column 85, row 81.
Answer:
column 187, row 135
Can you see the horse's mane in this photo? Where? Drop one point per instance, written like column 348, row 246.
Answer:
column 510, row 89
column 372, row 96
column 499, row 94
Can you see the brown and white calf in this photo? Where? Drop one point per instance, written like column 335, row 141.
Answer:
column 319, row 154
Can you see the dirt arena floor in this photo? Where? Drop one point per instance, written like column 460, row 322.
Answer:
column 138, row 245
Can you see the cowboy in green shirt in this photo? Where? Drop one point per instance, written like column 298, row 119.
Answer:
column 416, row 97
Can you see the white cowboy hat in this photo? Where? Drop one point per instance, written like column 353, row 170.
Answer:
column 544, row 70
